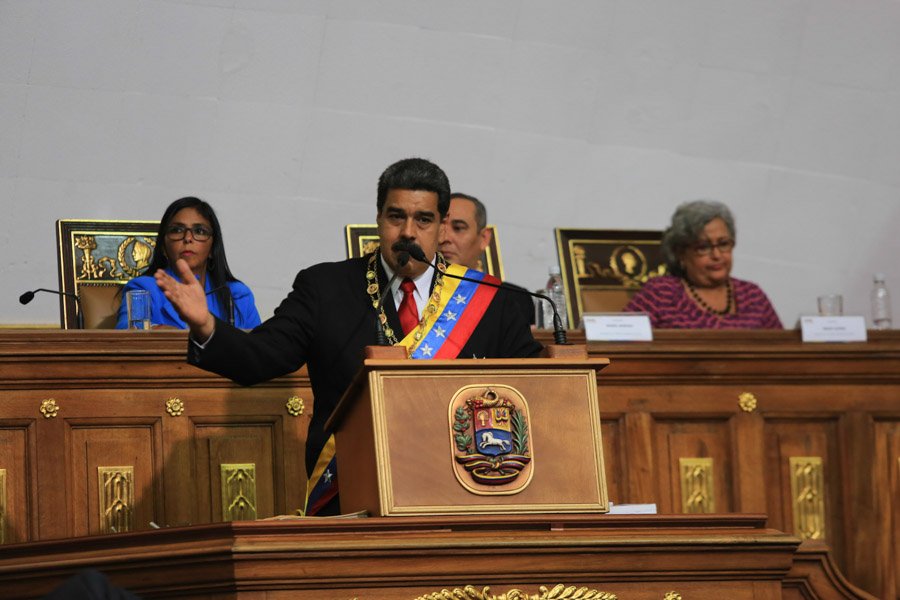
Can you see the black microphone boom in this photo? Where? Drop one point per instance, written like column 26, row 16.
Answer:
column 29, row 296
column 559, row 333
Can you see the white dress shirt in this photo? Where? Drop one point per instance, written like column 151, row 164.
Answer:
column 423, row 288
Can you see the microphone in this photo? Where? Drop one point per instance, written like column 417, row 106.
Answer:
column 559, row 333
column 29, row 296
column 402, row 249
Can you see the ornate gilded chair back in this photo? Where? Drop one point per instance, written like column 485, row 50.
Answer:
column 363, row 239
column 96, row 259
column 603, row 268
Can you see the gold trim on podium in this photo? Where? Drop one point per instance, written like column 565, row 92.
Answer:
column 558, row 592
column 808, row 496
column 238, row 491
column 116, row 490
column 697, row 485
column 599, row 501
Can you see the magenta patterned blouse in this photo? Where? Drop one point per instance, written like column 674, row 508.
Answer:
column 671, row 307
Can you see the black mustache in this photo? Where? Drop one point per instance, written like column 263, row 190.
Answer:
column 401, row 247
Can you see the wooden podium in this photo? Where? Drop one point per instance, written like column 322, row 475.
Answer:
column 442, row 437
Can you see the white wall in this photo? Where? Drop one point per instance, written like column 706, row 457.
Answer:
column 577, row 113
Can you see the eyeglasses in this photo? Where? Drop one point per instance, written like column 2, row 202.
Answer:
column 706, row 248
column 198, row 232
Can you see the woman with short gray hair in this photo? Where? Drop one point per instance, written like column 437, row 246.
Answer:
column 699, row 291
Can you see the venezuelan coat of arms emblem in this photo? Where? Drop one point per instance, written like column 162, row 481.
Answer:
column 489, row 431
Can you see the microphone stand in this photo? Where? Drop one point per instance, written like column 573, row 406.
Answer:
column 79, row 314
column 559, row 333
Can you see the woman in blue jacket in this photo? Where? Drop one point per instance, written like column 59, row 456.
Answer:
column 190, row 230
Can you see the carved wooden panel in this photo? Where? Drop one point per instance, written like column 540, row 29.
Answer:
column 808, row 497
column 699, row 439
column 17, row 463
column 101, row 453
column 235, row 443
column 790, row 438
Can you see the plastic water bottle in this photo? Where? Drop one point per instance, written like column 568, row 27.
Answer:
column 881, row 304
column 556, row 292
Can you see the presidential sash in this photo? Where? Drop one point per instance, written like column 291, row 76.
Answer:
column 322, row 484
column 458, row 311
column 458, row 308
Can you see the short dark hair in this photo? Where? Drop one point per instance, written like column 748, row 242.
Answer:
column 415, row 174
column 480, row 209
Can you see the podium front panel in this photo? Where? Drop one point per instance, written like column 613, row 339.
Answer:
column 407, row 419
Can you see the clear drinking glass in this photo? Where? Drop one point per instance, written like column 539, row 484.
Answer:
column 831, row 305
column 138, row 302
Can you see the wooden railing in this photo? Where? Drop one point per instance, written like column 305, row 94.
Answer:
column 695, row 422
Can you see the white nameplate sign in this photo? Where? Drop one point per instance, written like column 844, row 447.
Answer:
column 632, row 509
column 833, row 329
column 617, row 327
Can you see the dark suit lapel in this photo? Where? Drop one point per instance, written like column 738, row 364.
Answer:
column 390, row 311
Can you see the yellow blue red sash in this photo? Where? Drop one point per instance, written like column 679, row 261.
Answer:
column 459, row 310
column 322, row 484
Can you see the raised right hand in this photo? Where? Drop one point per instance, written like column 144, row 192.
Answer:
column 188, row 298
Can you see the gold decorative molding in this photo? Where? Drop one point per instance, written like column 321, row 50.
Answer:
column 672, row 596
column 747, row 402
column 238, row 491
column 2, row 506
column 175, row 407
column 697, row 489
column 116, row 486
column 49, row 408
column 295, row 406
column 559, row 592
column 808, row 495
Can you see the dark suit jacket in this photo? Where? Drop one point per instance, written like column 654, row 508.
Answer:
column 523, row 300
column 325, row 322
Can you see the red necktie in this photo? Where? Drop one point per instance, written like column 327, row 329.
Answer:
column 409, row 314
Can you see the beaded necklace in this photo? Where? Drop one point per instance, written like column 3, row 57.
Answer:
column 707, row 307
column 374, row 291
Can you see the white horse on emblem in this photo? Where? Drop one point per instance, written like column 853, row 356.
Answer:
column 488, row 439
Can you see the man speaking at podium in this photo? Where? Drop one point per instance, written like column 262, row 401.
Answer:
column 330, row 315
